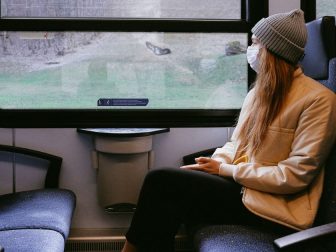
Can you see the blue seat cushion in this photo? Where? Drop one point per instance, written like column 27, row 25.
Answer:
column 37, row 240
column 45, row 208
column 234, row 238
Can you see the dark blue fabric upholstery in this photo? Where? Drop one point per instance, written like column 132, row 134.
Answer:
column 315, row 64
column 331, row 82
column 45, row 208
column 32, row 240
column 327, row 209
column 234, row 238
column 319, row 61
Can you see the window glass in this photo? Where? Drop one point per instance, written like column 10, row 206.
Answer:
column 214, row 9
column 325, row 8
column 52, row 70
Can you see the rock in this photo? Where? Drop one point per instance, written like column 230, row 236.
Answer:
column 157, row 50
column 234, row 48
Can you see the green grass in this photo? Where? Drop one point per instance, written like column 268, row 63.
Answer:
column 219, row 83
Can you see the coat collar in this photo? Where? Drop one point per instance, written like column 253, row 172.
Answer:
column 298, row 72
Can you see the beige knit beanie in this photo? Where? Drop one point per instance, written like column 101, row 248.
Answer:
column 284, row 34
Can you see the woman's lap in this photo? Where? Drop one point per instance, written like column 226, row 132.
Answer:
column 171, row 196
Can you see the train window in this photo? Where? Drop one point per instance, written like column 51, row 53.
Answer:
column 124, row 63
column 325, row 8
column 69, row 70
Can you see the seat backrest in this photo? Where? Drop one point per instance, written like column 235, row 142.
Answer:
column 55, row 162
column 320, row 49
column 327, row 209
column 319, row 63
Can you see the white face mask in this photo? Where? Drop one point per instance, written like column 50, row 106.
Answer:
column 252, row 57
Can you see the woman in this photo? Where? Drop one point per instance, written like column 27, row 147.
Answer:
column 271, row 173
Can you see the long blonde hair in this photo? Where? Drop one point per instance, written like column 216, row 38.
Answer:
column 271, row 88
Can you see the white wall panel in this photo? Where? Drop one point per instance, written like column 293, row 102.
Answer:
column 278, row 6
column 78, row 175
column 171, row 147
column 6, row 164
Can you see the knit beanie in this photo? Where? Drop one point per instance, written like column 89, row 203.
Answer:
column 284, row 34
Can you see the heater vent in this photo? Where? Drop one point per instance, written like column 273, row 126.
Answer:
column 94, row 246
column 114, row 242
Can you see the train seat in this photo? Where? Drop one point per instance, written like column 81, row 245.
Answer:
column 319, row 63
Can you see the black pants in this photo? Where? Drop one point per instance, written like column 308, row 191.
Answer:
column 170, row 197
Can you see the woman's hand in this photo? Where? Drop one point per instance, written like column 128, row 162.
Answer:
column 204, row 164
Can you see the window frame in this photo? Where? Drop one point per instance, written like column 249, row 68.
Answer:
column 251, row 12
column 309, row 8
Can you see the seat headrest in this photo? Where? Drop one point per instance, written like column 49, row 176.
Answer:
column 315, row 61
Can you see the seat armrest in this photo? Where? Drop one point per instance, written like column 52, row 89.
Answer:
column 55, row 162
column 190, row 159
column 305, row 235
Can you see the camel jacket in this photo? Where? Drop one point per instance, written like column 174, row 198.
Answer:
column 283, row 181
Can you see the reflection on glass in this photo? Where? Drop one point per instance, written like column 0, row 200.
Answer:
column 75, row 69
column 325, row 8
column 221, row 9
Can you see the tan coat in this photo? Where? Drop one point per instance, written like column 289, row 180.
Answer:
column 283, row 181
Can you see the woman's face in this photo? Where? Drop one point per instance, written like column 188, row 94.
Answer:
column 255, row 41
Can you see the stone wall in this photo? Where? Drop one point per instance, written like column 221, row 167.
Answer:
column 228, row 9
column 75, row 8
column 55, row 43
column 54, row 8
column 59, row 44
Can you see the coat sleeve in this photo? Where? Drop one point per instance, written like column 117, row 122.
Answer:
column 313, row 139
column 227, row 153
